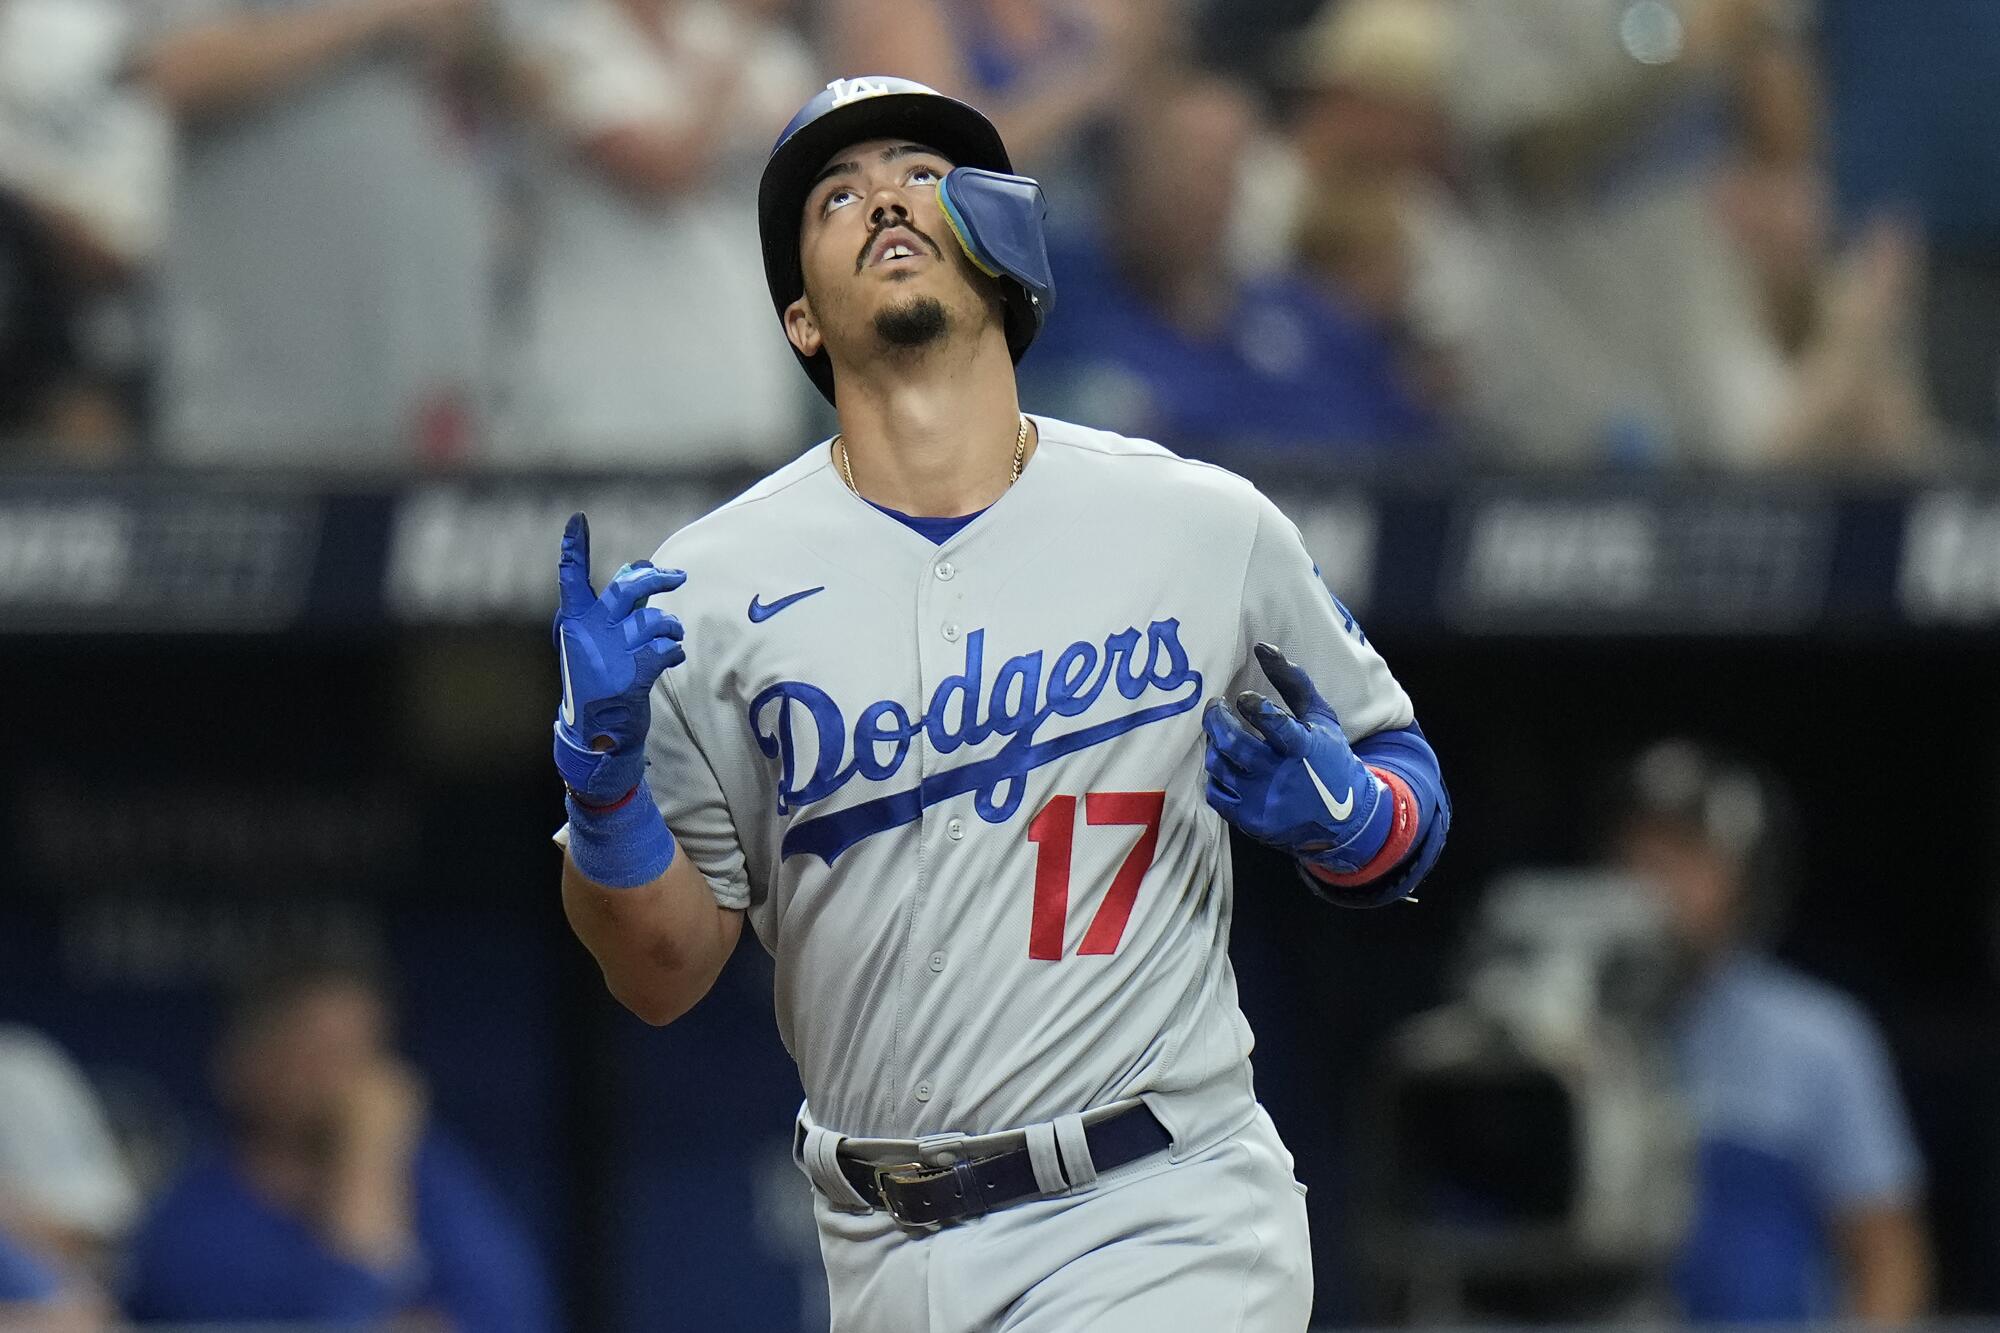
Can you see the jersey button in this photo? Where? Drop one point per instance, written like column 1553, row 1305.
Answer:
column 945, row 571
column 950, row 632
column 937, row 961
column 924, row 1091
column 954, row 830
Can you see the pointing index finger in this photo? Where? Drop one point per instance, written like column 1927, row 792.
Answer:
column 573, row 569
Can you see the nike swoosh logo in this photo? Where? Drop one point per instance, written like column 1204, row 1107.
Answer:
column 763, row 611
column 569, row 694
column 1339, row 809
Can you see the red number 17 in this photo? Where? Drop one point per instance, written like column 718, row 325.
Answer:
column 1053, row 830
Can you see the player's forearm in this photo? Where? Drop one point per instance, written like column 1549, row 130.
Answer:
column 660, row 945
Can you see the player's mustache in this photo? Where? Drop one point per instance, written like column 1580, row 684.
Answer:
column 861, row 260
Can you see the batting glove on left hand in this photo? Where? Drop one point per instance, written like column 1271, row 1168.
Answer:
column 1285, row 775
column 612, row 648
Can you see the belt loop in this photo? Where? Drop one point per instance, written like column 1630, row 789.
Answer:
column 1042, row 1155
column 1077, row 1165
column 823, row 1166
column 967, row 1182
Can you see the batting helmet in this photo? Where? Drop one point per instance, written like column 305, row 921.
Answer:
column 995, row 215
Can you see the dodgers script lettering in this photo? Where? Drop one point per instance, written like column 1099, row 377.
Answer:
column 965, row 710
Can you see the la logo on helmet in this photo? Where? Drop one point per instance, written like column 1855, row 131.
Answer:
column 853, row 90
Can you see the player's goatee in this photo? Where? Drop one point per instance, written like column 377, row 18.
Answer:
column 913, row 324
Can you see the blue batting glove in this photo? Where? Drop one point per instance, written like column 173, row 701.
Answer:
column 612, row 648
column 1285, row 775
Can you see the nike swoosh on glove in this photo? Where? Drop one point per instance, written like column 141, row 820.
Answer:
column 611, row 649
column 1284, row 773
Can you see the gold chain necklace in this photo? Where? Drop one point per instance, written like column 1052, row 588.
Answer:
column 1020, row 456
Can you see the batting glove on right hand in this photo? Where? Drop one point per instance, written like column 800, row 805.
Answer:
column 612, row 648
column 1285, row 774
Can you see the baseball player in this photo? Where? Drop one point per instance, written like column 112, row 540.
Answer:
column 953, row 708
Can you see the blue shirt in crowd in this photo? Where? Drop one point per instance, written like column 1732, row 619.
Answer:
column 24, row 1279
column 1287, row 367
column 213, row 1249
column 1799, row 1118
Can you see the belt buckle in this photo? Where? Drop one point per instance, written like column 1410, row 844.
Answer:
column 914, row 1173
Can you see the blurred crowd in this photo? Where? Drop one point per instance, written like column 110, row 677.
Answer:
column 422, row 233
column 326, row 1192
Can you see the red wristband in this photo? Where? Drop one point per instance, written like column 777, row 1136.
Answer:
column 596, row 809
column 1402, row 837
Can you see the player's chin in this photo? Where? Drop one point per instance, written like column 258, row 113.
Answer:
column 933, row 281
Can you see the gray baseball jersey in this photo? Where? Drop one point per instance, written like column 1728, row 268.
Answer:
column 958, row 787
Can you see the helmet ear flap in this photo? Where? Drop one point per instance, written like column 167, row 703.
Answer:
column 998, row 222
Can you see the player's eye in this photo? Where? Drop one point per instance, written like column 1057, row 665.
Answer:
column 925, row 175
column 838, row 198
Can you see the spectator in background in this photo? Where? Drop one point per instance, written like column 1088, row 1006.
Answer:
column 1381, row 217
column 84, row 160
column 1914, row 125
column 324, row 289
column 1806, row 346
column 1157, row 326
column 1807, row 1196
column 1372, row 214
column 334, row 1198
column 1841, row 311
column 1621, row 322
column 64, row 1185
column 647, row 337
column 1051, row 74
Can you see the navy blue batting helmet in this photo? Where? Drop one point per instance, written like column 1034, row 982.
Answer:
column 995, row 215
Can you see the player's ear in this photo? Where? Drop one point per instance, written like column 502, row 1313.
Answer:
column 802, row 328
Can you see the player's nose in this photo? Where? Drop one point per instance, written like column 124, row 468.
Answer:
column 887, row 205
